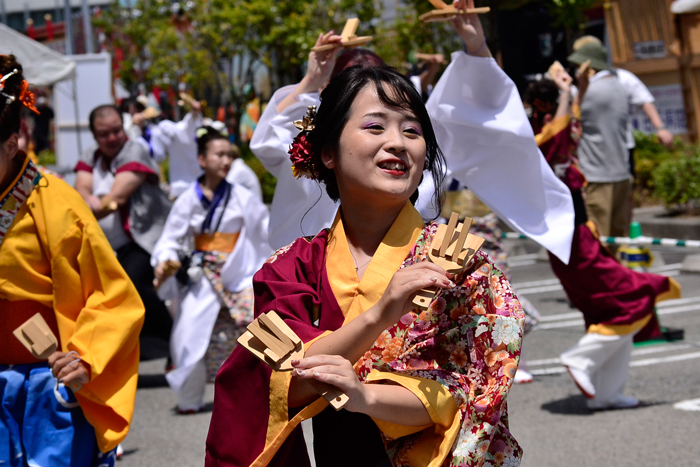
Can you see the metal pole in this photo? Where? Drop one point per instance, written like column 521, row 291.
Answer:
column 57, row 15
column 3, row 12
column 87, row 27
column 76, row 114
column 68, row 21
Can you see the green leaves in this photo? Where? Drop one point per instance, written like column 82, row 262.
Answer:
column 162, row 46
column 670, row 175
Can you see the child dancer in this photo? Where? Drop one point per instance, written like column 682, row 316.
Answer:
column 226, row 226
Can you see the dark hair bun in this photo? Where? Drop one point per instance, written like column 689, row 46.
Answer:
column 206, row 134
column 9, row 108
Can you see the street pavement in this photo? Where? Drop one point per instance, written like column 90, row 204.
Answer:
column 548, row 416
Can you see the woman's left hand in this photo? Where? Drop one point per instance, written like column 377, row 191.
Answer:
column 469, row 29
column 336, row 371
column 73, row 374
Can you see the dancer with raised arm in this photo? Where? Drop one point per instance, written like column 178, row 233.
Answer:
column 616, row 302
column 484, row 132
column 424, row 388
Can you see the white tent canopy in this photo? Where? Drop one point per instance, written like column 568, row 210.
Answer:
column 685, row 6
column 42, row 65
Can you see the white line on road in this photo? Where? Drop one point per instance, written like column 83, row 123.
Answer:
column 560, row 316
column 675, row 358
column 542, row 289
column 635, row 353
column 564, row 320
column 691, row 405
column 519, row 285
column 517, row 264
column 561, row 324
column 552, row 285
column 633, row 363
column 523, row 257
column 667, row 267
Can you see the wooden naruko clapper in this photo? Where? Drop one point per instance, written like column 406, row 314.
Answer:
column 349, row 38
column 37, row 337
column 445, row 12
column 452, row 249
column 270, row 339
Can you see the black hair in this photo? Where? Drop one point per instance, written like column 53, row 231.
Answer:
column 10, row 111
column 207, row 134
column 353, row 57
column 128, row 102
column 101, row 111
column 393, row 89
column 543, row 97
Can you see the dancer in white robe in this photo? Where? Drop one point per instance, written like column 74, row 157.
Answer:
column 227, row 228
column 486, row 138
column 177, row 139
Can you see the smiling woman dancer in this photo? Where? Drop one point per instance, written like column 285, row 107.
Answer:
column 426, row 388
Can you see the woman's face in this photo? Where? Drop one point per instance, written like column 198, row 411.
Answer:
column 218, row 159
column 381, row 152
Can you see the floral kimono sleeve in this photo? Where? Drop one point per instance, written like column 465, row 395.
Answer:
column 466, row 345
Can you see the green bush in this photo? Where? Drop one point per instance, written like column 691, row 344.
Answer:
column 46, row 157
column 648, row 154
column 677, row 180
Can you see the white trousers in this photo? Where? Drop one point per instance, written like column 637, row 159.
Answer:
column 605, row 359
column 191, row 393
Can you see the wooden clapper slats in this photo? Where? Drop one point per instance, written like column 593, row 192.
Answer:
column 270, row 339
column 445, row 12
column 37, row 337
column 452, row 249
column 349, row 38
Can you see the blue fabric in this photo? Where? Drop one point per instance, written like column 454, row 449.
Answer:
column 222, row 191
column 38, row 429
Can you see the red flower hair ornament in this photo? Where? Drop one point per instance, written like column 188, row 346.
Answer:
column 26, row 97
column 301, row 153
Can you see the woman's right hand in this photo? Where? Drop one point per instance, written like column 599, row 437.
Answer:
column 320, row 65
column 397, row 299
column 160, row 273
column 563, row 81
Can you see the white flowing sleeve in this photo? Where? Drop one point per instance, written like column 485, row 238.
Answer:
column 300, row 206
column 176, row 231
column 186, row 129
column 490, row 147
column 252, row 248
column 275, row 131
column 241, row 174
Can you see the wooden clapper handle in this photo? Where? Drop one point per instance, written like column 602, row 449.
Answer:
column 270, row 339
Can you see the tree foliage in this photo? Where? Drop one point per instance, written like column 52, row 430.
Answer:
column 166, row 43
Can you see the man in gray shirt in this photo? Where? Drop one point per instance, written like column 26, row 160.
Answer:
column 603, row 153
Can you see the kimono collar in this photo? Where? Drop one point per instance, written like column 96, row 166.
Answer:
column 354, row 295
column 222, row 193
column 552, row 129
column 12, row 199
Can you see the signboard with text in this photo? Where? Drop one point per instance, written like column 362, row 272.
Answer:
column 669, row 102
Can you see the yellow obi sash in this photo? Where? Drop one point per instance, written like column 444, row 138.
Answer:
column 14, row 313
column 217, row 241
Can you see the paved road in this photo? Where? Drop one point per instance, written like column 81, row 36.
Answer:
column 548, row 417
